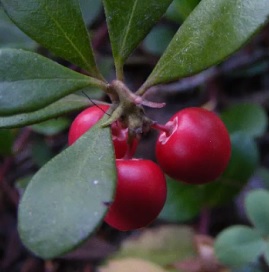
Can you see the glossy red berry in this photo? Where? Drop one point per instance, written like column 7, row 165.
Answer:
column 197, row 147
column 88, row 118
column 140, row 194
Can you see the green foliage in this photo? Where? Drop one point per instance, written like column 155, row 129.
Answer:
column 213, row 31
column 244, row 161
column 66, row 200
column 58, row 27
column 34, row 86
column 129, row 22
column 178, row 207
column 238, row 245
column 65, row 105
column 246, row 243
column 248, row 118
column 257, row 204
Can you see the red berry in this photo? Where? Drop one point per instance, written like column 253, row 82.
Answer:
column 197, row 149
column 88, row 118
column 140, row 194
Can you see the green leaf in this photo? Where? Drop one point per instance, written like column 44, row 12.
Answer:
column 238, row 245
column 57, row 26
column 158, row 39
column 249, row 118
column 129, row 22
column 65, row 105
column 212, row 32
column 11, row 36
column 257, row 206
column 29, row 81
column 90, row 9
column 244, row 161
column 6, row 142
column 51, row 127
column 183, row 201
column 163, row 245
column 66, row 200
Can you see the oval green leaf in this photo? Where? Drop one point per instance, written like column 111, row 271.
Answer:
column 66, row 200
column 257, row 206
column 65, row 105
column 57, row 26
column 249, row 118
column 29, row 81
column 129, row 22
column 238, row 245
column 213, row 31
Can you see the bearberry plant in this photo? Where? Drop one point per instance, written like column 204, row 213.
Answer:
column 96, row 178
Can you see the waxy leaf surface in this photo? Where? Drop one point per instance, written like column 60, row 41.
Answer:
column 65, row 105
column 129, row 22
column 29, row 81
column 213, row 31
column 67, row 198
column 57, row 25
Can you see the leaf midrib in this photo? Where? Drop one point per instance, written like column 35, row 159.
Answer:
column 67, row 37
column 124, row 39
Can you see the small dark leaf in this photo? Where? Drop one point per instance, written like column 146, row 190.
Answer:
column 212, row 32
column 29, row 81
column 57, row 26
column 65, row 105
column 129, row 22
column 64, row 202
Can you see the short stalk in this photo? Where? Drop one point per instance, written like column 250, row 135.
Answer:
column 165, row 128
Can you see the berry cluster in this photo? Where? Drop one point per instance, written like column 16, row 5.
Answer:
column 193, row 147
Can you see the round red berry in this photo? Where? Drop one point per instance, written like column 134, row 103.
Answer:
column 88, row 118
column 140, row 194
column 196, row 148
